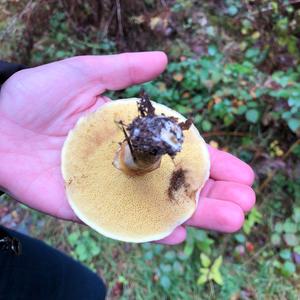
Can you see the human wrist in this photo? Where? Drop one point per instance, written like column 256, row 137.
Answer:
column 6, row 71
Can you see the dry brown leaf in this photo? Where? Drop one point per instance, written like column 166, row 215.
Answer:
column 137, row 19
column 214, row 144
column 178, row 77
column 186, row 95
column 161, row 86
column 217, row 99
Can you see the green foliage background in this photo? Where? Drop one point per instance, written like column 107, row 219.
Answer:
column 234, row 68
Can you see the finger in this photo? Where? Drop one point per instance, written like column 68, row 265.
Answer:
column 100, row 100
column 119, row 71
column 176, row 237
column 225, row 166
column 241, row 194
column 219, row 215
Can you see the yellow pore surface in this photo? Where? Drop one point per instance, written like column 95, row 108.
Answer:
column 133, row 209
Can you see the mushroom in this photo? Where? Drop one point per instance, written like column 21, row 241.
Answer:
column 133, row 169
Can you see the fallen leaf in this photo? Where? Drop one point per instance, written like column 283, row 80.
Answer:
column 155, row 277
column 217, row 100
column 255, row 35
column 137, row 19
column 239, row 250
column 214, row 144
column 117, row 290
column 15, row 215
column 249, row 247
column 226, row 149
column 154, row 22
column 3, row 211
column 252, row 92
column 235, row 296
column 178, row 77
column 158, row 22
column 186, row 95
column 161, row 86
column 210, row 104
column 237, row 103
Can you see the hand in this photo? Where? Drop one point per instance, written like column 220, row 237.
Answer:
column 39, row 106
column 224, row 199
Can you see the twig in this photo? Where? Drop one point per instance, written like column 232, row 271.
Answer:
column 163, row 3
column 212, row 290
column 266, row 182
column 107, row 24
column 224, row 243
column 272, row 173
column 68, row 12
column 256, row 254
column 256, row 155
column 225, row 133
column 119, row 16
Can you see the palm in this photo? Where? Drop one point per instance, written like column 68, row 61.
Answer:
column 39, row 113
column 39, row 106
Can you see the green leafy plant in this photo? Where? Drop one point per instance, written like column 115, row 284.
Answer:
column 253, row 218
column 286, row 234
column 215, row 92
column 210, row 271
column 170, row 263
column 85, row 246
column 198, row 239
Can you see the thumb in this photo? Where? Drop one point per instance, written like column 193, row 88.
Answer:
column 119, row 71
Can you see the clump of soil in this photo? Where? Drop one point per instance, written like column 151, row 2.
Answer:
column 176, row 182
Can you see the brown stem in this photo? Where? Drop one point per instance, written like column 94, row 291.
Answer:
column 119, row 17
column 147, row 138
column 140, row 164
column 272, row 173
column 225, row 133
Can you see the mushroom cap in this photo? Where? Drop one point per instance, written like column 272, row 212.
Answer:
column 130, row 208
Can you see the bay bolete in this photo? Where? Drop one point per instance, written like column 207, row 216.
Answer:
column 133, row 169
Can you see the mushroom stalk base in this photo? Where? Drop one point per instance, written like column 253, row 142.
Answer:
column 142, row 163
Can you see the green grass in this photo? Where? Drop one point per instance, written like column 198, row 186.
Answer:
column 153, row 271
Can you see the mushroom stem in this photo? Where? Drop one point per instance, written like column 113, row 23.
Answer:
column 140, row 164
column 147, row 138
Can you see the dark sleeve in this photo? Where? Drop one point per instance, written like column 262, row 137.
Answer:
column 41, row 272
column 8, row 69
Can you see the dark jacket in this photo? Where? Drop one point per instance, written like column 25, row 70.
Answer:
column 8, row 69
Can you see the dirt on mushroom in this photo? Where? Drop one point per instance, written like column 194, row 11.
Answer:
column 177, row 181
